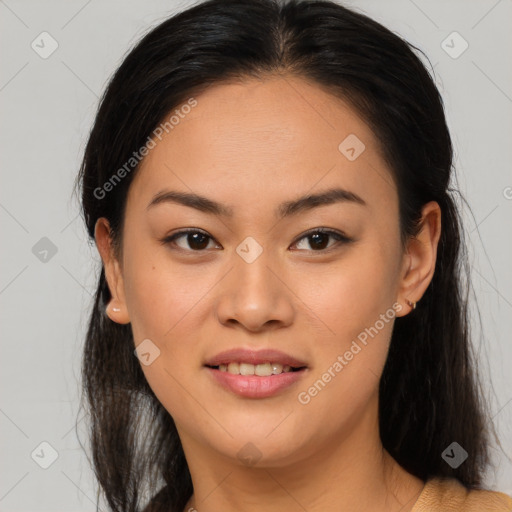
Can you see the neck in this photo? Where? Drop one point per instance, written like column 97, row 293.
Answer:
column 350, row 472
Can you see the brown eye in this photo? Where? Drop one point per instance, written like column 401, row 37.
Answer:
column 196, row 240
column 193, row 240
column 318, row 239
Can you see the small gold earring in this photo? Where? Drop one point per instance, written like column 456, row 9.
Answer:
column 411, row 304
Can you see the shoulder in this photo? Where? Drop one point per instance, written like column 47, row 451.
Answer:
column 449, row 495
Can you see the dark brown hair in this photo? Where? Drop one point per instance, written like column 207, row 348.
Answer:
column 429, row 391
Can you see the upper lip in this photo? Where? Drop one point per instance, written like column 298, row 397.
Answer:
column 241, row 355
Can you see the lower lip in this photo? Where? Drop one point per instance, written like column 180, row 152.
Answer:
column 253, row 386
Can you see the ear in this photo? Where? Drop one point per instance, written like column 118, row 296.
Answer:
column 419, row 260
column 116, row 309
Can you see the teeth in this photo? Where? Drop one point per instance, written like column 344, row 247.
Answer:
column 233, row 368
column 247, row 369
column 276, row 368
column 262, row 370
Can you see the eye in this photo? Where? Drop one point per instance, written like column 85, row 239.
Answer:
column 318, row 239
column 196, row 239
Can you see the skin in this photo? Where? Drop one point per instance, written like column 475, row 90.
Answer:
column 251, row 145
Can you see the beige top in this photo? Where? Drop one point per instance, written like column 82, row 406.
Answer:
column 449, row 495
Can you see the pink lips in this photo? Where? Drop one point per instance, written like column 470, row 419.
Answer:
column 253, row 386
column 240, row 355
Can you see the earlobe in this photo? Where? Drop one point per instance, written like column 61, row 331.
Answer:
column 117, row 314
column 116, row 309
column 420, row 258
column 411, row 304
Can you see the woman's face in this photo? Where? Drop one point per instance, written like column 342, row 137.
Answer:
column 252, row 279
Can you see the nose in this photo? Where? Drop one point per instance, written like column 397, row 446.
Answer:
column 255, row 296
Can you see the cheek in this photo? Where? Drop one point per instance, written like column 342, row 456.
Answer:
column 160, row 295
column 350, row 294
column 355, row 301
column 162, row 302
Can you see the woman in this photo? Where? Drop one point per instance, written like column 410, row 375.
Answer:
column 279, row 322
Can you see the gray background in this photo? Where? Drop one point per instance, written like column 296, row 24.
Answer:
column 47, row 107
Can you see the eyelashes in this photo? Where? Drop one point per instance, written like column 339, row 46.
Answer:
column 340, row 238
column 198, row 240
column 171, row 240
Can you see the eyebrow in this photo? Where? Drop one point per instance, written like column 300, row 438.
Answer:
column 285, row 209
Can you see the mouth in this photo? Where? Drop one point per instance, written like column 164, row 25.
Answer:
column 244, row 361
column 255, row 374
column 266, row 369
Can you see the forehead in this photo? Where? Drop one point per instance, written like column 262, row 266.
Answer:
column 264, row 138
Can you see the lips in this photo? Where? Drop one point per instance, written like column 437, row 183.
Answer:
column 261, row 384
column 255, row 357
